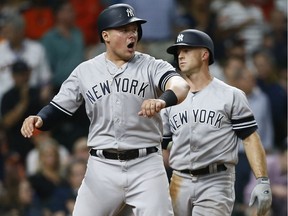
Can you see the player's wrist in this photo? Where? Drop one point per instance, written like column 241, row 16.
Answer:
column 169, row 97
column 263, row 180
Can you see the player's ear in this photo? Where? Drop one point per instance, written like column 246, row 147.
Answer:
column 205, row 54
column 105, row 35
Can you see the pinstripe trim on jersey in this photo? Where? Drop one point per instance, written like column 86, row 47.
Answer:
column 243, row 123
column 61, row 108
column 244, row 127
column 164, row 79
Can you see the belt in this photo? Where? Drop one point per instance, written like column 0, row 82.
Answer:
column 205, row 170
column 123, row 155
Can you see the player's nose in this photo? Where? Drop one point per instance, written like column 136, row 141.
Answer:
column 133, row 33
column 180, row 55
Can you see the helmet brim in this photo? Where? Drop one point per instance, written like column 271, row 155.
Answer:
column 173, row 49
column 126, row 22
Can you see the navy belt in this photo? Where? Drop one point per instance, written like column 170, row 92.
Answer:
column 205, row 170
column 123, row 155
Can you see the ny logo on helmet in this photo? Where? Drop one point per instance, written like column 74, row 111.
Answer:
column 180, row 38
column 129, row 12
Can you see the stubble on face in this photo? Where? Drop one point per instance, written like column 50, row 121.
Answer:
column 189, row 61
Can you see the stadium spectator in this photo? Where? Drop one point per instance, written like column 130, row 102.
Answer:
column 49, row 179
column 17, row 46
column 63, row 43
column 86, row 15
column 268, row 81
column 17, row 102
column 32, row 159
column 241, row 19
column 39, row 18
column 243, row 78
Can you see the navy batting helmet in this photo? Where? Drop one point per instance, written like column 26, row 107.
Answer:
column 193, row 38
column 118, row 15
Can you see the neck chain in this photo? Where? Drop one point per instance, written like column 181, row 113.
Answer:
column 107, row 67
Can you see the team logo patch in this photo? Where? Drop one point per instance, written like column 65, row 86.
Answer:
column 129, row 12
column 180, row 38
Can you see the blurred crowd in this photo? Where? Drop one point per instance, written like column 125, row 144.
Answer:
column 42, row 41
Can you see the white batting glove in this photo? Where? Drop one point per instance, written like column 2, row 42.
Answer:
column 262, row 192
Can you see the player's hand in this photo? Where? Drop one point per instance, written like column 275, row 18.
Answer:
column 262, row 192
column 30, row 124
column 151, row 106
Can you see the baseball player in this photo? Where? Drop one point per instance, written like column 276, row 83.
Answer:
column 123, row 91
column 206, row 130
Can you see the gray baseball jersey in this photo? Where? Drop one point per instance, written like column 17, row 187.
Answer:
column 113, row 97
column 206, row 126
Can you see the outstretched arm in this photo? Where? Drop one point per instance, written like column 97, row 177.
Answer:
column 48, row 116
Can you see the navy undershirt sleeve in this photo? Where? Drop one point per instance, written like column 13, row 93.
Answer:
column 242, row 134
column 165, row 142
column 51, row 116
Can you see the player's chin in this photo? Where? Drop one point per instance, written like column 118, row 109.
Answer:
column 128, row 55
column 182, row 68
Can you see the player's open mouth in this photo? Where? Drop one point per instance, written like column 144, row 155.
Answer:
column 130, row 45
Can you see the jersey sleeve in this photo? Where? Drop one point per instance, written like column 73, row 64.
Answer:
column 167, row 134
column 162, row 72
column 69, row 97
column 243, row 120
column 165, row 78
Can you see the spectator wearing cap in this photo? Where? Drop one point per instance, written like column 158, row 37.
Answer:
column 17, row 102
